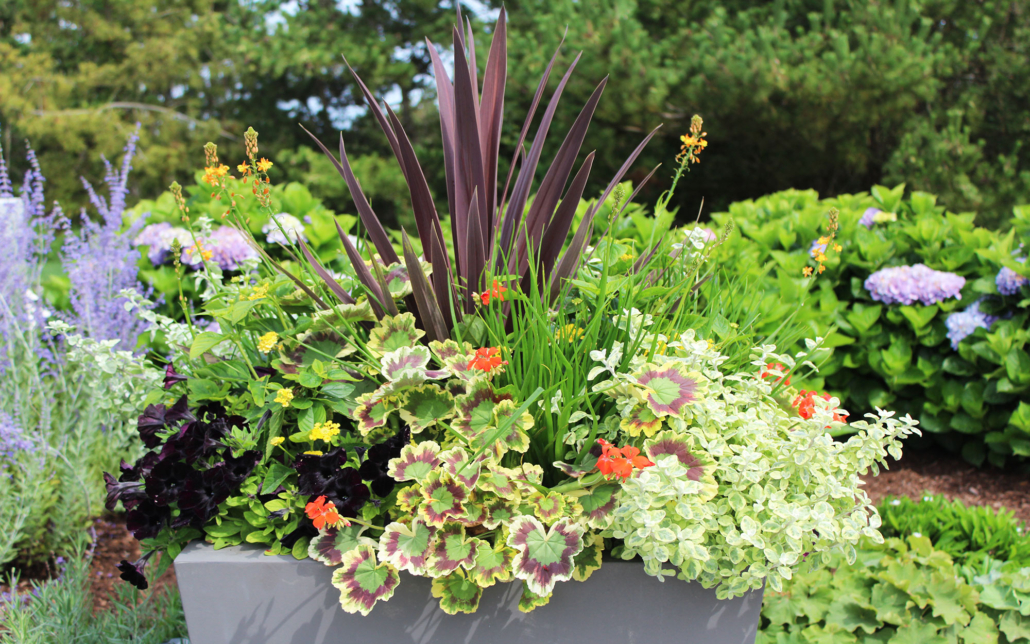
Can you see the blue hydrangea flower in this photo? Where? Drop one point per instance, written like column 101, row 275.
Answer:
column 962, row 323
column 293, row 227
column 1009, row 281
column 911, row 284
column 229, row 249
column 159, row 239
column 867, row 219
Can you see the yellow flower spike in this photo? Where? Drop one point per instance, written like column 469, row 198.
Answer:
column 265, row 344
column 284, row 396
column 259, row 292
column 264, row 164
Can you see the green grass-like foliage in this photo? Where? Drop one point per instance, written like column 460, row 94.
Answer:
column 968, row 534
column 61, row 612
column 900, row 592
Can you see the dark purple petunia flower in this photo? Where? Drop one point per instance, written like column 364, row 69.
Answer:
column 130, row 493
column 146, row 519
column 165, row 482
column 133, row 572
column 172, row 377
column 305, row 530
column 157, row 417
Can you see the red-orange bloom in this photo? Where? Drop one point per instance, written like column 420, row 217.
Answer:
column 486, row 359
column 768, row 373
column 620, row 462
column 805, row 402
column 322, row 513
column 496, row 291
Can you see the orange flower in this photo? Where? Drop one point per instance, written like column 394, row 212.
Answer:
column 486, row 359
column 805, row 402
column 807, row 271
column 322, row 513
column 497, row 291
column 213, row 173
column 620, row 462
column 263, row 165
column 243, row 168
column 778, row 367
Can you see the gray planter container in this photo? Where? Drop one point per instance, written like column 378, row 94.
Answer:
column 240, row 596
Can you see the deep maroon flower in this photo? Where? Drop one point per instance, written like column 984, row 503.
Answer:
column 166, row 480
column 133, row 572
column 305, row 530
column 317, row 473
column 147, row 519
column 157, row 417
column 129, row 493
column 172, row 377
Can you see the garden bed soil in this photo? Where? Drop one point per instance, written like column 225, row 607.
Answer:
column 936, row 471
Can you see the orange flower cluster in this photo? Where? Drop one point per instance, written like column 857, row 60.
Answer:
column 486, row 359
column 619, row 462
column 805, row 403
column 215, row 172
column 778, row 367
column 322, row 513
column 497, row 291
column 693, row 143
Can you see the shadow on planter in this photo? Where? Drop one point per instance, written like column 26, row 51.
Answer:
column 240, row 596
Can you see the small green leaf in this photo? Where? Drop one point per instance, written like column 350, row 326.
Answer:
column 204, row 342
column 277, row 473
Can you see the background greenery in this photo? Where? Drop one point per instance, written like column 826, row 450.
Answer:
column 834, row 95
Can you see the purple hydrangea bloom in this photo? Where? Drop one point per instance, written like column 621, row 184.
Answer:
column 159, row 238
column 868, row 217
column 1009, row 281
column 229, row 249
column 294, row 228
column 911, row 284
column 962, row 323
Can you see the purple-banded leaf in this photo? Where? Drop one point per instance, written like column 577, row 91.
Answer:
column 457, row 594
column 415, row 463
column 558, row 230
column 700, row 467
column 410, row 498
column 475, row 408
column 493, row 565
column 589, row 559
column 499, row 480
column 426, row 405
column 546, row 199
column 491, row 109
column 531, row 601
column 527, row 475
column 548, row 508
column 406, row 547
column 425, row 299
column 296, row 280
column 598, row 504
column 330, row 282
column 332, row 543
column 450, row 350
column 373, row 411
column 360, row 311
column 456, row 461
column 570, row 260
column 368, row 217
column 640, row 419
column 499, row 511
column 398, row 283
column 516, row 439
column 444, row 498
column 544, row 557
column 451, row 550
column 474, row 515
column 575, row 471
column 394, row 332
column 523, row 185
column 362, row 581
column 409, row 358
column 672, row 387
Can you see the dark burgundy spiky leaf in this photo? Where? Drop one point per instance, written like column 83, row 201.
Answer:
column 373, row 105
column 491, row 110
column 443, row 284
column 469, row 176
column 329, row 280
column 376, row 297
column 476, row 255
column 561, row 223
column 425, row 299
column 445, row 97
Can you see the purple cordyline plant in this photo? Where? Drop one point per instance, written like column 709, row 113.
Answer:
column 911, row 284
column 962, row 323
column 100, row 261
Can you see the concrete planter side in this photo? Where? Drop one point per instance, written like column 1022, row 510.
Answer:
column 240, row 596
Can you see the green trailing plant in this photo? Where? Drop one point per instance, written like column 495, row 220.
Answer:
column 900, row 591
column 969, row 534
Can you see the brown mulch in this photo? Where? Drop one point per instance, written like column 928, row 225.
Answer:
column 940, row 472
column 113, row 543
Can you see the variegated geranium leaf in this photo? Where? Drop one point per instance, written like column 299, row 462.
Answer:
column 499, row 480
column 499, row 511
column 547, row 508
column 362, row 581
column 373, row 411
column 672, row 387
column 700, row 467
column 528, row 477
column 332, row 543
column 492, row 565
column 598, row 505
column 409, row 498
column 449, row 349
column 451, row 550
column 640, row 419
column 544, row 557
column 475, row 409
column 589, row 559
column 530, row 600
column 406, row 547
column 443, row 498
column 394, row 332
column 405, row 358
column 397, row 280
column 415, row 463
column 456, row 461
column 577, row 471
column 360, row 311
column 516, row 437
column 475, row 513
column 425, row 405
column 457, row 593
